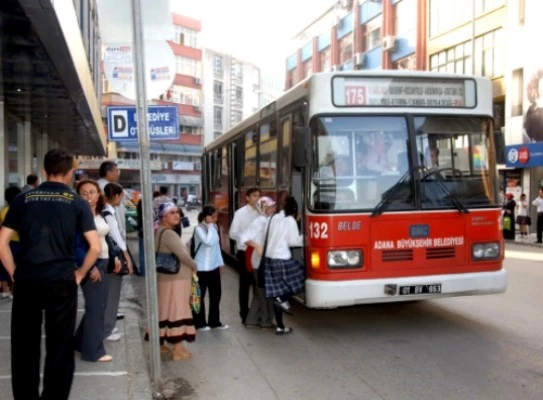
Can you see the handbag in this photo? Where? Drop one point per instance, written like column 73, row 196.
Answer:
column 261, row 271
column 185, row 222
column 115, row 252
column 195, row 302
column 507, row 223
column 166, row 263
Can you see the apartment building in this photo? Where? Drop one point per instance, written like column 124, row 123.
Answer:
column 232, row 92
column 174, row 163
column 367, row 34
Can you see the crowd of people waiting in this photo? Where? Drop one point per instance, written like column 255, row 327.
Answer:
column 54, row 239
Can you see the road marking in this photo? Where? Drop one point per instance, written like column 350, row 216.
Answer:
column 9, row 311
column 9, row 337
column 523, row 255
column 83, row 374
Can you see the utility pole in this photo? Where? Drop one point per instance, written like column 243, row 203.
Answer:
column 145, row 174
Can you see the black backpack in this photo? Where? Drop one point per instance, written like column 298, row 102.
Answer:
column 191, row 244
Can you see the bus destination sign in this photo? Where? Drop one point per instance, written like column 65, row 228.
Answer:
column 403, row 92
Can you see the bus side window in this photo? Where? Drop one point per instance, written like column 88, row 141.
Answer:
column 268, row 155
column 284, row 156
column 249, row 168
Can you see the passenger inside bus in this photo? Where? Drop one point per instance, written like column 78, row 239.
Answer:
column 362, row 160
column 377, row 158
column 335, row 166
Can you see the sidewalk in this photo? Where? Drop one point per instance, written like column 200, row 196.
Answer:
column 125, row 378
column 529, row 240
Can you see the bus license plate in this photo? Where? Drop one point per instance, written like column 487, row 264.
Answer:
column 420, row 289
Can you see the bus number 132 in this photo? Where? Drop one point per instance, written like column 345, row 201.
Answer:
column 318, row 230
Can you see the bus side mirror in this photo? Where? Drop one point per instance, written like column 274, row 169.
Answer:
column 302, row 147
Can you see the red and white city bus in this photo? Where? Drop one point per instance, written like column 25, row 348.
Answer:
column 395, row 174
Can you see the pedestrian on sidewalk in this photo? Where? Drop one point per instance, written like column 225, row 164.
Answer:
column 113, row 193
column 509, row 216
column 110, row 173
column 538, row 202
column 32, row 182
column 241, row 221
column 284, row 275
column 9, row 195
column 89, row 336
column 174, row 314
column 209, row 261
column 46, row 279
column 523, row 219
column 261, row 310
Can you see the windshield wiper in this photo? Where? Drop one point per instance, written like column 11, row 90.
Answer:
column 389, row 194
column 439, row 181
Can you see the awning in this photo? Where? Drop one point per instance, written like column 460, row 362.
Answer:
column 45, row 74
column 163, row 148
column 186, row 120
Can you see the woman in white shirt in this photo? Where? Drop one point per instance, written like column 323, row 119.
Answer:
column 284, row 275
column 114, row 193
column 89, row 336
column 523, row 219
column 261, row 310
column 209, row 261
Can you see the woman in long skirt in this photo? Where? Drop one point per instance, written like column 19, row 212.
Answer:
column 175, row 316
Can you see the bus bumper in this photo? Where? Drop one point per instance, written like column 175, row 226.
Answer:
column 333, row 294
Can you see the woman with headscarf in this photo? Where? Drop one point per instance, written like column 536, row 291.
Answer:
column 284, row 275
column 175, row 317
column 261, row 310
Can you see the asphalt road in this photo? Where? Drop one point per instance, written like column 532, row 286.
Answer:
column 487, row 347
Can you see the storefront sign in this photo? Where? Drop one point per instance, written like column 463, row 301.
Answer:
column 524, row 155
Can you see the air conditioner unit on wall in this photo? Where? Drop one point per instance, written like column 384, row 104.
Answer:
column 197, row 80
column 389, row 43
column 359, row 59
column 196, row 108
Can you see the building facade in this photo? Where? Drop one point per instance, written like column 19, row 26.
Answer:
column 523, row 71
column 50, row 84
column 174, row 163
column 355, row 34
column 232, row 92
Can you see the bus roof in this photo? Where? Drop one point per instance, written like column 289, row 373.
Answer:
column 323, row 80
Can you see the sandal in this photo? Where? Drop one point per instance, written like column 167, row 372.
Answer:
column 178, row 356
column 106, row 358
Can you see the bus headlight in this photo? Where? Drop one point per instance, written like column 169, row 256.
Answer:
column 344, row 259
column 485, row 251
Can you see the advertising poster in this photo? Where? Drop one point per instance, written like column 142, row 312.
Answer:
column 529, row 152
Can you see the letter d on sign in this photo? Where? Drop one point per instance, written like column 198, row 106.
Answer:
column 119, row 124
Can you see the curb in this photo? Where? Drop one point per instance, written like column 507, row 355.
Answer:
column 139, row 387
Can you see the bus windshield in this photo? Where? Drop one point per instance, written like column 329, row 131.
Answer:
column 358, row 159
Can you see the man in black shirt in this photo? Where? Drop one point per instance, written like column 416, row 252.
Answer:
column 47, row 219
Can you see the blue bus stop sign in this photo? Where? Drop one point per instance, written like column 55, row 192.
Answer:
column 122, row 123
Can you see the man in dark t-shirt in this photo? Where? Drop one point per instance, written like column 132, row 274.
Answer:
column 46, row 278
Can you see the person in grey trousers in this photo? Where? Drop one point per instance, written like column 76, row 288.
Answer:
column 113, row 193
